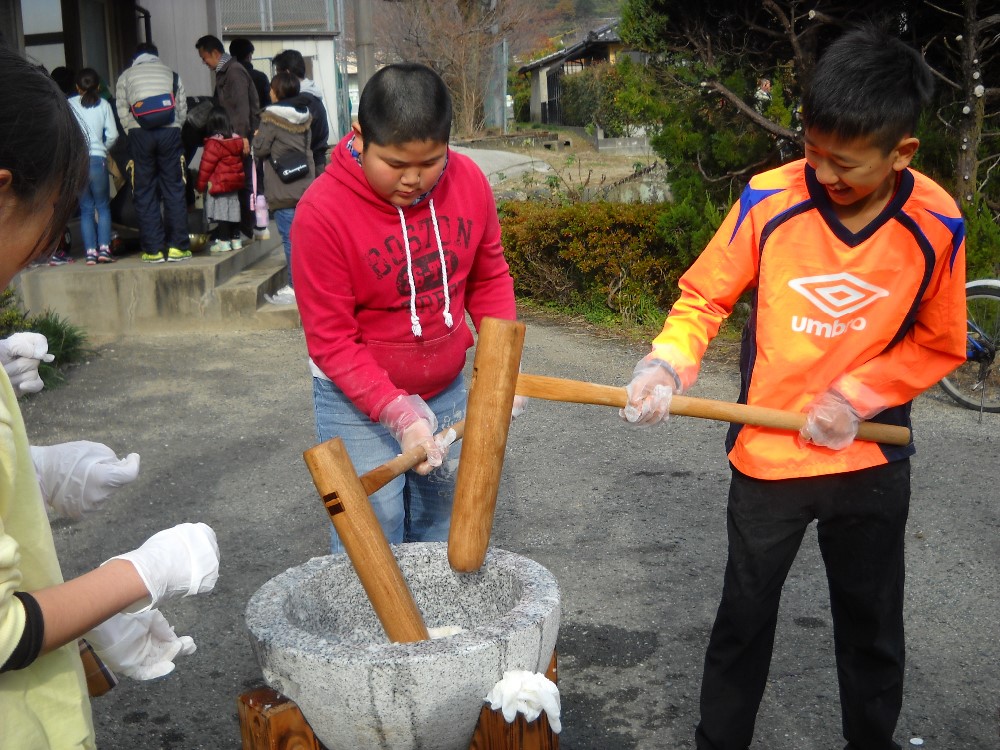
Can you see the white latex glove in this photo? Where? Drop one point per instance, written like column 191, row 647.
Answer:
column 176, row 562
column 520, row 404
column 528, row 693
column 76, row 478
column 411, row 422
column 650, row 391
column 20, row 355
column 142, row 646
column 831, row 421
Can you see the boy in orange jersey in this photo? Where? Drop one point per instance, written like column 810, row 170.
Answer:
column 856, row 266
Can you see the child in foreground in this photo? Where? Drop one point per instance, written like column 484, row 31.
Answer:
column 393, row 244
column 856, row 265
column 44, row 700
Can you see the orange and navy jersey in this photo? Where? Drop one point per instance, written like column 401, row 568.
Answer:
column 884, row 306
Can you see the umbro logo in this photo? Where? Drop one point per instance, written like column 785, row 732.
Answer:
column 837, row 294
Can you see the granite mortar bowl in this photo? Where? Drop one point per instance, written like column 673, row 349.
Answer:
column 318, row 641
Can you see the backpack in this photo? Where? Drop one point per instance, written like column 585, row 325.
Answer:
column 155, row 111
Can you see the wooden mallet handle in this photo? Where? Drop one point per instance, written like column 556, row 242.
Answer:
column 357, row 525
column 491, row 396
column 380, row 476
column 579, row 392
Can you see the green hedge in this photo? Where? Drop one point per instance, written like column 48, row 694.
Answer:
column 612, row 262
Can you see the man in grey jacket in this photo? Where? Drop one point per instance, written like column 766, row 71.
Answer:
column 156, row 155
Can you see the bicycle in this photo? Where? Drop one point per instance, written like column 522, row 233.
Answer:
column 974, row 384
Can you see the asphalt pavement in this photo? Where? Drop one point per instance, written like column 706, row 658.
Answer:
column 631, row 521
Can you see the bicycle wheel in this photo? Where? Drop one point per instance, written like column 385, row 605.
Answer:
column 975, row 384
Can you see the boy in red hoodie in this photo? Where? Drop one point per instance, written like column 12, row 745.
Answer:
column 393, row 243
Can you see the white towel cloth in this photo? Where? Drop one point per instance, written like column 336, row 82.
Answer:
column 528, row 693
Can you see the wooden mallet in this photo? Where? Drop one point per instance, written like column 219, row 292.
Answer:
column 579, row 392
column 346, row 500
column 491, row 397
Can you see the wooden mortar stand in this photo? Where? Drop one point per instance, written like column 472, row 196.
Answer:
column 491, row 397
column 346, row 501
column 270, row 721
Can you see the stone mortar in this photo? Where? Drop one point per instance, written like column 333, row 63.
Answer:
column 318, row 641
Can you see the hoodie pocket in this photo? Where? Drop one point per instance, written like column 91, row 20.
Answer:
column 424, row 367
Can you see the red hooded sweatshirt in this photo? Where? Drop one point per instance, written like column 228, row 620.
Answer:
column 380, row 321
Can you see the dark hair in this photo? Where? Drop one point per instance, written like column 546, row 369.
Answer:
column 868, row 84
column 241, row 48
column 42, row 145
column 145, row 48
column 209, row 43
column 404, row 102
column 218, row 122
column 290, row 61
column 63, row 77
column 285, row 85
column 89, row 82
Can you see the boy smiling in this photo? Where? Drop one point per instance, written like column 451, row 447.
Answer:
column 856, row 267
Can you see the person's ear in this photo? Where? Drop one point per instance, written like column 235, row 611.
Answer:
column 904, row 153
column 6, row 183
column 359, row 140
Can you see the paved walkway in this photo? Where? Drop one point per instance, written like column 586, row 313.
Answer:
column 630, row 521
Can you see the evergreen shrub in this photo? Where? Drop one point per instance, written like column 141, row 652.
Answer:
column 610, row 261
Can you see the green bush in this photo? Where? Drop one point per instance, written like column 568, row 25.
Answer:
column 613, row 263
column 982, row 242
column 67, row 343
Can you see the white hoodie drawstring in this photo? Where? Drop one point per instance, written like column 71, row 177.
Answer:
column 444, row 269
column 414, row 318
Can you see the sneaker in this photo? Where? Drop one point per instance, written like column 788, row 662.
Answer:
column 104, row 255
column 284, row 296
column 261, row 233
column 60, row 258
column 156, row 257
column 237, row 244
column 220, row 246
column 176, row 256
column 91, row 257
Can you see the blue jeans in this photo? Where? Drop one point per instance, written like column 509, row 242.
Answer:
column 411, row 508
column 96, row 197
column 283, row 218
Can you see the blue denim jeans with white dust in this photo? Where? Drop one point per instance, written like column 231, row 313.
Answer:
column 411, row 508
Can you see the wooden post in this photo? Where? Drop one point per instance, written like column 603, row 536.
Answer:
column 270, row 721
column 487, row 421
column 357, row 525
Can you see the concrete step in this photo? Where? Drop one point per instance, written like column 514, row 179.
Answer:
column 242, row 301
column 132, row 298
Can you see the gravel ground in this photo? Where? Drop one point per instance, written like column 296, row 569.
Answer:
column 630, row 521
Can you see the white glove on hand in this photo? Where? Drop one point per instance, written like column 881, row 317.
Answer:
column 650, row 391
column 76, row 478
column 142, row 646
column 20, row 355
column 831, row 422
column 411, row 422
column 520, row 404
column 528, row 693
column 176, row 562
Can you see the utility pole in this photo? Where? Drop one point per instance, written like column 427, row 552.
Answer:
column 364, row 42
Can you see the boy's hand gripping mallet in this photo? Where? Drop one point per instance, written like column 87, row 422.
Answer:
column 579, row 392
